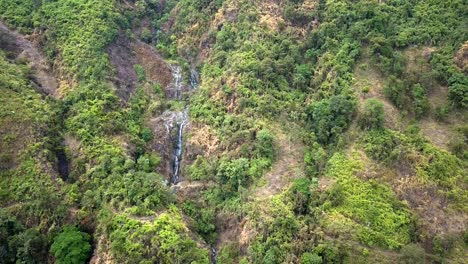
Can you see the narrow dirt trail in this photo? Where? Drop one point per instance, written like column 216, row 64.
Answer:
column 23, row 48
column 289, row 165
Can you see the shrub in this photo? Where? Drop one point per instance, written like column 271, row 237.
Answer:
column 233, row 174
column 331, row 117
column 264, row 145
column 229, row 254
column 146, row 35
column 458, row 90
column 420, row 101
column 381, row 145
column 301, row 194
column 396, row 90
column 140, row 71
column 311, row 258
column 30, row 247
column 373, row 114
column 315, row 159
column 71, row 246
column 443, row 244
column 412, row 254
column 441, row 113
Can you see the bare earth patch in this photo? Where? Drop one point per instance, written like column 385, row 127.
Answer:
column 288, row 166
column 24, row 49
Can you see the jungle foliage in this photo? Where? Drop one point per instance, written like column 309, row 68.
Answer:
column 260, row 76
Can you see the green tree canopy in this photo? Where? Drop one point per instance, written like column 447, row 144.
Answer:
column 71, row 246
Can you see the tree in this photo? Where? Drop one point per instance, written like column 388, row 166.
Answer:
column 71, row 246
column 330, row 117
column 30, row 247
column 233, row 174
column 373, row 114
column 301, row 195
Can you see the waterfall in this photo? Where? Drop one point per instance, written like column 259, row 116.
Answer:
column 177, row 85
column 175, row 122
column 179, row 122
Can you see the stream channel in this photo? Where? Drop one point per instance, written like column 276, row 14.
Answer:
column 175, row 122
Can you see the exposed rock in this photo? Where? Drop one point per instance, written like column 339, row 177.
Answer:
column 123, row 60
column 156, row 68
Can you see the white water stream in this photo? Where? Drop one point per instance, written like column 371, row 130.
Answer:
column 175, row 122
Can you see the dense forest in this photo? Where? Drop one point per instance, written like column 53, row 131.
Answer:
column 233, row 131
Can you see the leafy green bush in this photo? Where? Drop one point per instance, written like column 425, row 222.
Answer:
column 331, row 117
column 458, row 90
column 204, row 217
column 300, row 194
column 71, row 246
column 311, row 258
column 164, row 239
column 315, row 159
column 420, row 101
column 30, row 247
column 382, row 145
column 233, row 174
column 397, row 91
column 265, row 145
column 229, row 254
column 378, row 217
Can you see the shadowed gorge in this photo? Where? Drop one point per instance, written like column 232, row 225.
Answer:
column 233, row 131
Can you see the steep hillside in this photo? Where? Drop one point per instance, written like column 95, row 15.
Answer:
column 233, row 131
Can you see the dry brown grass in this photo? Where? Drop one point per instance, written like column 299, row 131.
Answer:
column 289, row 165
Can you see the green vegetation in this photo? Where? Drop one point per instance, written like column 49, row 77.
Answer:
column 163, row 239
column 373, row 114
column 368, row 210
column 324, row 131
column 71, row 246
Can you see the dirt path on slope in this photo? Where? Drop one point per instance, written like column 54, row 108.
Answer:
column 23, row 48
column 288, row 165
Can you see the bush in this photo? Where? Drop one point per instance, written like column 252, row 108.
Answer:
column 412, row 254
column 233, row 174
column 264, row 145
column 71, row 246
column 396, row 91
column 315, row 159
column 443, row 244
column 146, row 35
column 300, row 192
column 381, row 145
column 331, row 117
column 311, row 258
column 441, row 113
column 373, row 114
column 458, row 90
column 420, row 101
column 30, row 247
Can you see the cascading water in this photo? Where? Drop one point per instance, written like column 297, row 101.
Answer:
column 175, row 123
column 176, row 86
